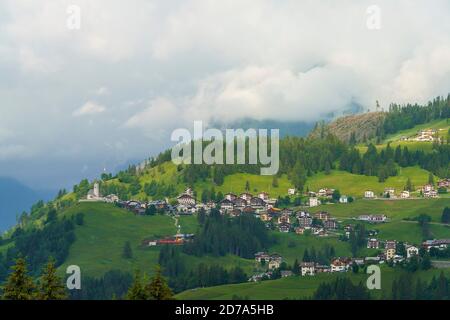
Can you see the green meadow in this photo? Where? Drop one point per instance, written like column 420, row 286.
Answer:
column 297, row 287
column 355, row 184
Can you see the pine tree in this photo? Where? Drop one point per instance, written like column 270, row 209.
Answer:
column 19, row 285
column 158, row 289
column 51, row 286
column 137, row 290
column 409, row 185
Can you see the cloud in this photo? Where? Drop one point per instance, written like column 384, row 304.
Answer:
column 89, row 108
column 159, row 65
column 157, row 119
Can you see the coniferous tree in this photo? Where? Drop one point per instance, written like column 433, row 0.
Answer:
column 19, row 285
column 158, row 288
column 51, row 286
column 137, row 290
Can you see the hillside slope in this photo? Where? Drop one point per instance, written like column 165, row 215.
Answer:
column 363, row 126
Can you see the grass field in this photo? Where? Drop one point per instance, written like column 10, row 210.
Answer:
column 100, row 241
column 298, row 287
column 355, row 185
column 236, row 183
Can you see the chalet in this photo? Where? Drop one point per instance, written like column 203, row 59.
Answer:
column 263, row 196
column 313, row 202
column 284, row 227
column 257, row 203
column 275, row 261
column 239, row 202
column 437, row 244
column 231, row 196
column 445, row 183
column 300, row 230
column 308, row 268
column 284, row 218
column 373, row 244
column 300, row 214
column 322, row 215
column 343, row 199
column 291, row 191
column 411, row 251
column 305, row 221
column 186, row 199
column 226, row 204
column 430, row 194
column 369, row 194
column 325, row 192
column 404, row 194
column 330, row 224
column 262, row 256
column 340, row 265
column 390, row 244
column 246, row 196
column 264, row 216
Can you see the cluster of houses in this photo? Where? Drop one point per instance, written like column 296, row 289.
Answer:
column 342, row 264
column 426, row 135
column 427, row 191
column 324, row 193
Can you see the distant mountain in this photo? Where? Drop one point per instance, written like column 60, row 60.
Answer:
column 14, row 199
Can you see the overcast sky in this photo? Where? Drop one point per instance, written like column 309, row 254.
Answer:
column 75, row 101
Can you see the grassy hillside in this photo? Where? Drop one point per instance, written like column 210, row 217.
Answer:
column 296, row 287
column 99, row 242
column 355, row 184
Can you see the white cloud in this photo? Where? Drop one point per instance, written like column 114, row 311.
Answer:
column 159, row 64
column 89, row 108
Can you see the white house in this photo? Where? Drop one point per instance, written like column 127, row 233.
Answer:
column 369, row 194
column 291, row 191
column 405, row 194
column 308, row 268
column 313, row 202
column 411, row 251
column 343, row 199
column 340, row 265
